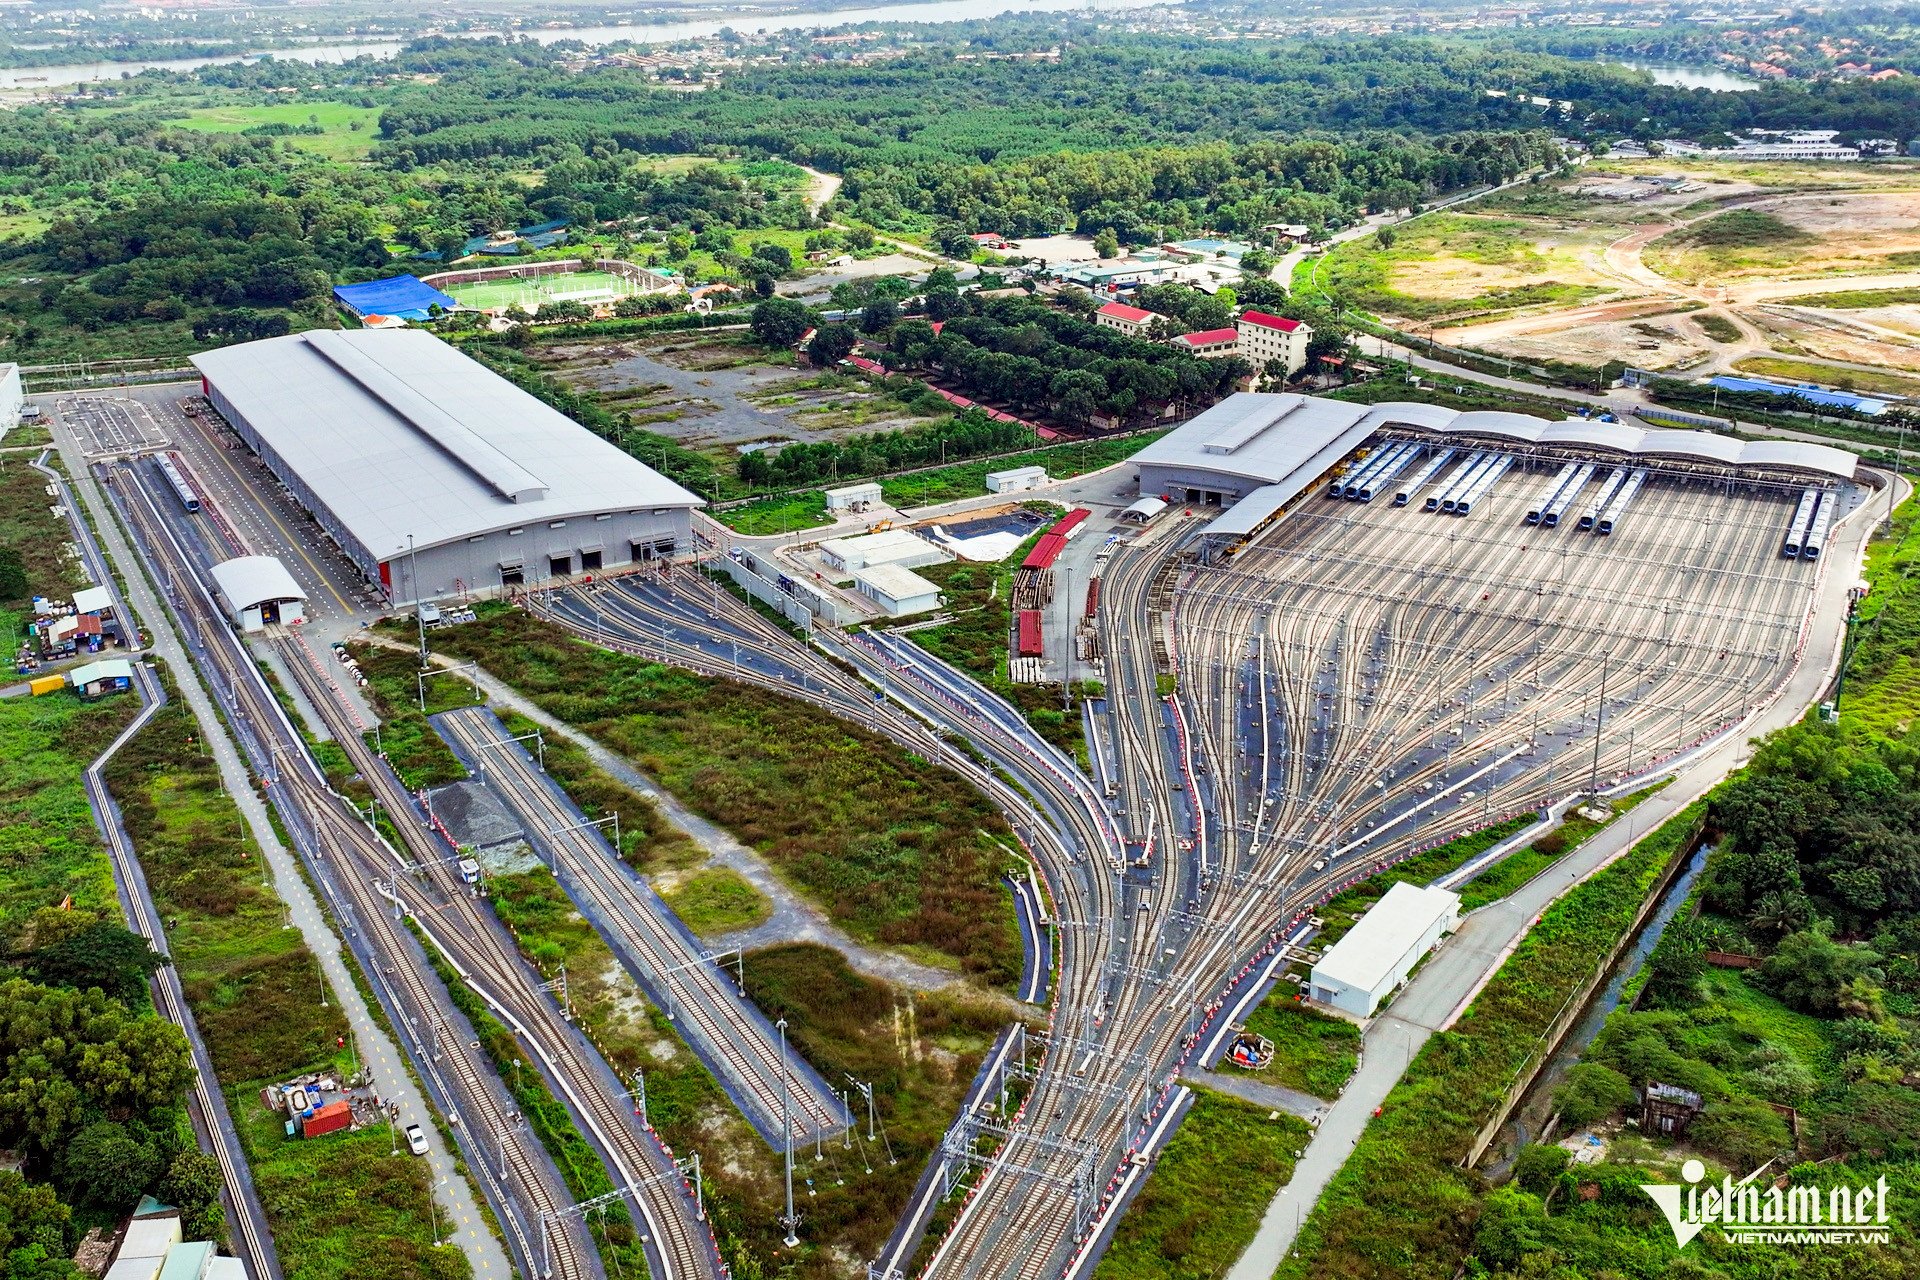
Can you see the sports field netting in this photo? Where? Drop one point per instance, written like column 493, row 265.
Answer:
column 572, row 286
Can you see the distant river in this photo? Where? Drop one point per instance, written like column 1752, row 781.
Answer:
column 745, row 21
column 1682, row 76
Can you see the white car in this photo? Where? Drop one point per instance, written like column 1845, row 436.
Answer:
column 416, row 1140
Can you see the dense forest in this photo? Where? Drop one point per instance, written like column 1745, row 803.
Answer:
column 134, row 228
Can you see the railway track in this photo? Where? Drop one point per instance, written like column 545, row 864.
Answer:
column 548, row 1238
column 738, row 1041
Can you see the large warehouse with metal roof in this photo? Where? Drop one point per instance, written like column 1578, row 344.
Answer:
column 434, row 474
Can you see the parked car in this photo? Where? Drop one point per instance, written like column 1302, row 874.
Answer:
column 416, row 1140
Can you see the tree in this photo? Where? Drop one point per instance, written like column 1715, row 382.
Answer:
column 1106, row 244
column 102, row 955
column 1384, row 237
column 107, row 1167
column 780, row 322
column 763, row 285
column 1258, row 262
column 878, row 315
column 1810, row 971
column 564, row 311
column 1590, row 1091
column 1539, row 1165
column 192, row 1184
column 31, row 1215
column 1512, row 1227
column 831, row 343
column 1745, row 1132
column 13, row 576
column 778, row 257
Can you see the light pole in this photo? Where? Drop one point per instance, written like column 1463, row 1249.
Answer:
column 790, row 1219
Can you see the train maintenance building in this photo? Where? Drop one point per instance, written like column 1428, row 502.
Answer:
column 436, row 476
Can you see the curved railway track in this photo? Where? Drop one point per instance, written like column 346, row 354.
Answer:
column 360, row 859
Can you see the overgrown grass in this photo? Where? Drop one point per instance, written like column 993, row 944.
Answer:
column 416, row 752
column 1311, row 1051
column 1739, row 241
column 1442, row 390
column 969, row 479
column 1854, row 299
column 1718, row 327
column 1207, row 1193
column 1529, row 860
column 717, row 900
column 1864, row 380
column 919, row 1053
column 340, row 1206
column 895, row 849
column 1360, row 272
column 1882, row 690
column 49, row 849
column 783, row 514
column 1400, row 1205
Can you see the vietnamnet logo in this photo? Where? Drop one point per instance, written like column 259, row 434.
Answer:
column 1750, row 1214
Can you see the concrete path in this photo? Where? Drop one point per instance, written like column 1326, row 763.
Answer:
column 794, row 919
column 1275, row 1096
column 1448, row 982
column 455, row 1195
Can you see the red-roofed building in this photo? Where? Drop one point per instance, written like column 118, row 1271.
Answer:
column 1209, row 344
column 1131, row 321
column 1265, row 338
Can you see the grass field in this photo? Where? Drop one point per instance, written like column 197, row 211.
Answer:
column 347, row 132
column 1736, row 243
column 1529, row 860
column 717, row 900
column 1207, row 1193
column 586, row 286
column 1866, row 380
column 1855, row 299
column 969, row 479
column 1311, row 1051
column 1883, row 676
column 1459, row 265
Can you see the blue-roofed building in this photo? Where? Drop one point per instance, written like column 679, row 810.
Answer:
column 1209, row 247
column 543, row 239
column 545, row 228
column 1810, row 392
column 405, row 297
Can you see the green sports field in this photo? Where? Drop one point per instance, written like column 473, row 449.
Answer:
column 585, row 286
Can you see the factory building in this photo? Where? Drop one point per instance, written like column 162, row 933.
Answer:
column 890, row 546
column 1356, row 973
column 434, row 475
column 898, row 591
column 258, row 592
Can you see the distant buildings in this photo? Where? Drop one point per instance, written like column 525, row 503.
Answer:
column 1264, row 338
column 1131, row 321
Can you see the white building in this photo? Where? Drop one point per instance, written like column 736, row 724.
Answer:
column 893, row 546
column 12, row 397
column 259, row 592
column 898, row 591
column 1266, row 337
column 853, row 497
column 1017, row 480
column 433, row 474
column 1209, row 344
column 1356, row 973
column 1131, row 321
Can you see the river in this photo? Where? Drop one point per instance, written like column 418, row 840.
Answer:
column 746, row 21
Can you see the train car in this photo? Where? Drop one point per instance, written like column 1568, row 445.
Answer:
column 1482, row 485
column 1550, row 518
column 1377, row 483
column 1798, row 526
column 1552, row 491
column 1365, row 475
column 1449, row 497
column 1816, row 539
column 183, row 492
column 1405, row 493
column 1608, row 487
column 1621, row 501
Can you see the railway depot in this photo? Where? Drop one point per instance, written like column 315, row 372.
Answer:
column 433, row 474
column 1262, row 455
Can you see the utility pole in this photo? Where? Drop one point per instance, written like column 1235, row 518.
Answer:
column 419, row 617
column 790, row 1219
column 1599, row 721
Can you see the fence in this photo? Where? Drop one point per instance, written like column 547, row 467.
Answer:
column 1577, row 1001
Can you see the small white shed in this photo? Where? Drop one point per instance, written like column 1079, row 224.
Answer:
column 1356, row 973
column 853, row 497
column 1016, row 480
column 258, row 592
column 897, row 590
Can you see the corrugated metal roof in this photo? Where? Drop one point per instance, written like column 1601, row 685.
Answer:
column 400, row 434
column 250, row 580
column 895, row 581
